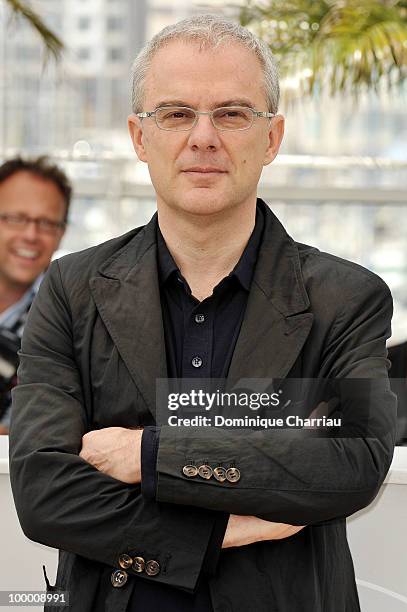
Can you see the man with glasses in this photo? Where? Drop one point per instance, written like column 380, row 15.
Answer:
column 149, row 516
column 34, row 201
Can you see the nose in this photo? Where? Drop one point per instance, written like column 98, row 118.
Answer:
column 204, row 135
column 31, row 231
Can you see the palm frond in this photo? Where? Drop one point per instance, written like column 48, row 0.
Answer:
column 52, row 42
column 340, row 44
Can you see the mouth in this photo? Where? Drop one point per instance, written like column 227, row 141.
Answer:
column 26, row 254
column 203, row 173
column 204, row 170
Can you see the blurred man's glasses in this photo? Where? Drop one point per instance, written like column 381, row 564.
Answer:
column 183, row 118
column 46, row 226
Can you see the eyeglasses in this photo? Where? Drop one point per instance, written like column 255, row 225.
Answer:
column 43, row 225
column 183, row 118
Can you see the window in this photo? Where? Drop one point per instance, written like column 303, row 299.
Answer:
column 83, row 53
column 84, row 23
column 114, row 23
column 115, row 54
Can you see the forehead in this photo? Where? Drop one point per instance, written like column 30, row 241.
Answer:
column 26, row 192
column 181, row 70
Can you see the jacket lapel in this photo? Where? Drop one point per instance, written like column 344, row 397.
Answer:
column 127, row 296
column 275, row 326
column 274, row 329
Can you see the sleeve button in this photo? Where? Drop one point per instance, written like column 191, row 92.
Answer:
column 220, row 474
column 119, row 578
column 190, row 470
column 205, row 471
column 138, row 564
column 233, row 474
column 152, row 568
column 125, row 561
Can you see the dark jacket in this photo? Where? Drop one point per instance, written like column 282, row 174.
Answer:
column 92, row 350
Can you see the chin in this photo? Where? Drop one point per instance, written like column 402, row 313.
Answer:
column 25, row 280
column 203, row 202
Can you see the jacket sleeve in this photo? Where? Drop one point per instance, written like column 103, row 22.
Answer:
column 61, row 500
column 289, row 476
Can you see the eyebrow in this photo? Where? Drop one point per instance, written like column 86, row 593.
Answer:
column 231, row 102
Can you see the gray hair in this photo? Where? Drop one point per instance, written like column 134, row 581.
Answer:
column 210, row 31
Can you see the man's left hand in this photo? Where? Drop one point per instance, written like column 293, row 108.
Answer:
column 243, row 530
column 115, row 451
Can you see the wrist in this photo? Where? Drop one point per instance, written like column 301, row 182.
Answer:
column 135, row 452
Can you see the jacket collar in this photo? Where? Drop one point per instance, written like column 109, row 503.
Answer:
column 278, row 269
column 275, row 326
column 277, row 273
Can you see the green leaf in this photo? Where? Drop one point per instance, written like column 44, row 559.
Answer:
column 337, row 44
column 53, row 44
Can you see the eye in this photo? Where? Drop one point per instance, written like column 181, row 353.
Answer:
column 233, row 113
column 176, row 113
column 17, row 218
column 46, row 224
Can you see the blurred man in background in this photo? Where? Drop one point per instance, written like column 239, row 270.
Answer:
column 34, row 202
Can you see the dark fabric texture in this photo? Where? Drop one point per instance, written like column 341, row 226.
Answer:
column 208, row 329
column 215, row 338
column 149, row 451
column 398, row 360
column 92, row 350
column 398, row 382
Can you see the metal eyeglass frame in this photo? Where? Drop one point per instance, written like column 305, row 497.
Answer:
column 255, row 113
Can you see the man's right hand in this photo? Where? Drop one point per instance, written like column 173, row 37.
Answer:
column 243, row 530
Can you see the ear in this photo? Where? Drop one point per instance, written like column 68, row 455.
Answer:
column 275, row 136
column 59, row 236
column 137, row 136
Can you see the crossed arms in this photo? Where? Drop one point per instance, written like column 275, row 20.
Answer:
column 116, row 451
column 63, row 501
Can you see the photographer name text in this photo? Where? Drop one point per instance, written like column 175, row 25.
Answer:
column 257, row 422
